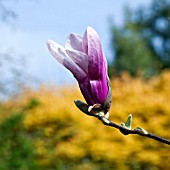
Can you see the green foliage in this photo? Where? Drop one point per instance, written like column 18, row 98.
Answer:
column 142, row 44
column 132, row 54
column 153, row 24
column 16, row 151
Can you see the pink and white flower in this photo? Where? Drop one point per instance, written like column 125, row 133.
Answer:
column 83, row 56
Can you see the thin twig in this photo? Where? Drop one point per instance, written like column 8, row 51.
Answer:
column 123, row 129
column 126, row 131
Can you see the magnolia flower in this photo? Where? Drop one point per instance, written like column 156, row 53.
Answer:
column 83, row 56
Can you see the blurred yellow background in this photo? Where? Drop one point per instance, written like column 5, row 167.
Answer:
column 41, row 128
column 64, row 138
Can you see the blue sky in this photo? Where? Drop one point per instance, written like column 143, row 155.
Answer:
column 40, row 20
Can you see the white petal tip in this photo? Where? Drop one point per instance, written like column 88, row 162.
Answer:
column 49, row 42
column 90, row 108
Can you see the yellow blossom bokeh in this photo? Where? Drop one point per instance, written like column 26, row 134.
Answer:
column 65, row 136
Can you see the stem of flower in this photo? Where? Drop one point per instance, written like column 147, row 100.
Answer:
column 123, row 129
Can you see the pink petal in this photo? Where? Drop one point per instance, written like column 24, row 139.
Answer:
column 97, row 66
column 62, row 57
column 96, row 58
column 81, row 59
column 85, row 43
column 74, row 41
column 99, row 92
column 86, row 91
column 54, row 50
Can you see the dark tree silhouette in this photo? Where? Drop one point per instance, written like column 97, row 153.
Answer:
column 142, row 44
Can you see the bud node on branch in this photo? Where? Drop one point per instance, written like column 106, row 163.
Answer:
column 124, row 128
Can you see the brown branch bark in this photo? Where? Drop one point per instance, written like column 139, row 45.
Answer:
column 123, row 129
column 140, row 132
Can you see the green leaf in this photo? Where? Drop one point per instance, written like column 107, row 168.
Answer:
column 128, row 123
